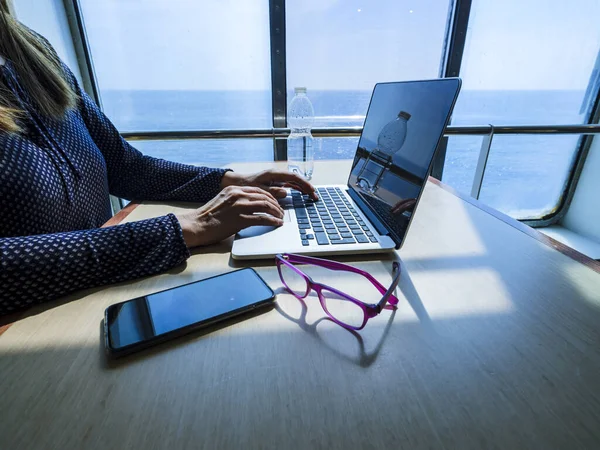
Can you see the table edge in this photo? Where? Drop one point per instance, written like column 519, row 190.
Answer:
column 7, row 321
column 121, row 215
column 526, row 229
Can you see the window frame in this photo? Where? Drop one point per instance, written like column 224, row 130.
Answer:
column 450, row 65
column 581, row 153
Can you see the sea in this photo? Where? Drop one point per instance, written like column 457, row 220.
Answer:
column 525, row 177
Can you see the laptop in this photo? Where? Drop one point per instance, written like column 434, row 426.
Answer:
column 373, row 211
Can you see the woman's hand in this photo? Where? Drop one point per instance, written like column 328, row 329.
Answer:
column 404, row 205
column 273, row 181
column 232, row 210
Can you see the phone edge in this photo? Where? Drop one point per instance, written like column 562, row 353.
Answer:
column 135, row 348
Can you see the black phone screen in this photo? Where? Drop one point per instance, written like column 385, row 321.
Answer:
column 144, row 318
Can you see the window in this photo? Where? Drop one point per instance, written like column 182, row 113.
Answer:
column 524, row 63
column 193, row 65
column 527, row 186
column 336, row 148
column 340, row 49
column 181, row 64
column 209, row 152
column 48, row 18
column 461, row 162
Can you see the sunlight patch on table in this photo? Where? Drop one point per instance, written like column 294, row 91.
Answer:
column 446, row 294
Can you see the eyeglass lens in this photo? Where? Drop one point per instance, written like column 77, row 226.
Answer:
column 336, row 305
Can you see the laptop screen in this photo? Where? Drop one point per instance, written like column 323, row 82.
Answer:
column 404, row 124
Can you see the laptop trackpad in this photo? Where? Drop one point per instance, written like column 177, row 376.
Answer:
column 255, row 231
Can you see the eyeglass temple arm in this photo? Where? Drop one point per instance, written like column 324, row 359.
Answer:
column 333, row 265
column 389, row 295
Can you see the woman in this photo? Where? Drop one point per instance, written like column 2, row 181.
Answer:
column 60, row 158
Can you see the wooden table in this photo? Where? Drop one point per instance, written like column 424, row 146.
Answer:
column 495, row 344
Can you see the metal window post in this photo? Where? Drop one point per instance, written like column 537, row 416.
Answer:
column 278, row 75
column 484, row 154
column 454, row 46
column 82, row 49
column 86, row 64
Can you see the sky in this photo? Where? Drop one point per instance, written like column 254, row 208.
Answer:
column 339, row 44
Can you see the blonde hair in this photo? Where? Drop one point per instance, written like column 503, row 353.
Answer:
column 39, row 70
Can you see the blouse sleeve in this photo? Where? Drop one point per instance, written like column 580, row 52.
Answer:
column 36, row 269
column 132, row 175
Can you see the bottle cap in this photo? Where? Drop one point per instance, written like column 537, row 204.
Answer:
column 404, row 115
column 300, row 90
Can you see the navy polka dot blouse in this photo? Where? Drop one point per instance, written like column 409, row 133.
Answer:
column 55, row 181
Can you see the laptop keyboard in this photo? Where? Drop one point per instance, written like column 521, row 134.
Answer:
column 383, row 209
column 332, row 220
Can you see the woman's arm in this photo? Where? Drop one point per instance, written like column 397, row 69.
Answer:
column 36, row 269
column 133, row 175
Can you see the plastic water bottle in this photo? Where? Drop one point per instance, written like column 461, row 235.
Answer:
column 380, row 160
column 301, row 116
column 393, row 135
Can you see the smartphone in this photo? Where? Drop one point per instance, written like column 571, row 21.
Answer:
column 140, row 323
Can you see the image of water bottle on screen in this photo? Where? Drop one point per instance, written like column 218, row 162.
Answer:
column 300, row 143
column 389, row 142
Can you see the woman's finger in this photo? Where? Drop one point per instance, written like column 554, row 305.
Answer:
column 249, row 220
column 299, row 189
column 277, row 192
column 403, row 205
column 256, row 190
column 259, row 206
column 289, row 178
column 262, row 196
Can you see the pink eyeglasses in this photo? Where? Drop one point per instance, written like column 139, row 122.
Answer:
column 342, row 308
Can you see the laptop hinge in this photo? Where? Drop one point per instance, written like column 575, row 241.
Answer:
column 379, row 226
